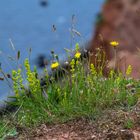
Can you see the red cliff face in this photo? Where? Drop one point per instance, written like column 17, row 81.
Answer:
column 121, row 22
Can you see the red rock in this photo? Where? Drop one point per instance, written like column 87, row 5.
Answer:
column 121, row 22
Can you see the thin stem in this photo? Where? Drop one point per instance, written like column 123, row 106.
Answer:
column 115, row 64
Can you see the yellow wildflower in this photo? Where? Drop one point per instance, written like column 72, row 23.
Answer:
column 34, row 82
column 77, row 47
column 54, row 65
column 93, row 69
column 129, row 70
column 72, row 64
column 77, row 55
column 118, row 80
column 114, row 43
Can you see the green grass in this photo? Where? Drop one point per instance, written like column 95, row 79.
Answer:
column 129, row 124
column 82, row 92
column 7, row 129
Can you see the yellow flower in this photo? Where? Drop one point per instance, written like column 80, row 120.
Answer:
column 54, row 65
column 77, row 46
column 114, row 43
column 93, row 69
column 129, row 70
column 77, row 55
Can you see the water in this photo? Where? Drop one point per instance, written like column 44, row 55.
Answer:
column 29, row 24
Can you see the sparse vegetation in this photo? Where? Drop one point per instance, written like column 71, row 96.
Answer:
column 83, row 92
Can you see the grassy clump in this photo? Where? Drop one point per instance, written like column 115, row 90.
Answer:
column 7, row 128
column 83, row 92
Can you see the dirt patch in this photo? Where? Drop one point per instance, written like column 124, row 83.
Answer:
column 112, row 125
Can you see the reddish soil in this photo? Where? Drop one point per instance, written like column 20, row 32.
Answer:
column 121, row 22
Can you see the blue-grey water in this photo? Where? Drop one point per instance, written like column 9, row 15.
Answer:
column 28, row 24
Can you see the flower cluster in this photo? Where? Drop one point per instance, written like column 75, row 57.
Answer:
column 34, row 83
column 77, row 47
column 118, row 81
column 17, row 82
column 111, row 74
column 129, row 70
column 77, row 54
column 72, row 64
column 92, row 69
